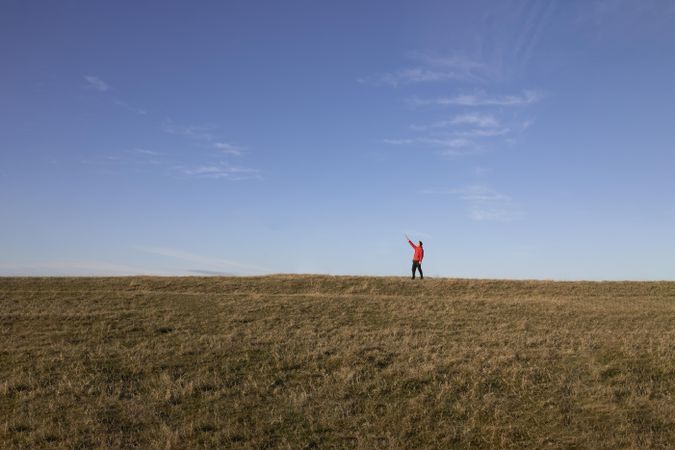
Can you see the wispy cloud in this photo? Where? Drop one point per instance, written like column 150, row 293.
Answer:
column 429, row 68
column 483, row 132
column 599, row 10
column 491, row 213
column 481, row 171
column 473, row 119
column 128, row 107
column 451, row 143
column 484, row 117
column 526, row 124
column 406, row 76
column 458, row 62
column 228, row 149
column 608, row 20
column 483, row 203
column 96, row 83
column 537, row 18
column 135, row 159
column 478, row 120
column 144, row 161
column 220, row 170
column 144, row 151
column 452, row 146
column 457, row 135
column 211, row 264
column 198, row 166
column 204, row 132
column 480, row 127
column 480, row 193
column 527, row 97
column 399, row 141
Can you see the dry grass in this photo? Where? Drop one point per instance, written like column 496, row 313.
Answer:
column 355, row 362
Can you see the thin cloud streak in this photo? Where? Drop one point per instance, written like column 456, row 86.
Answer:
column 221, row 170
column 433, row 68
column 453, row 143
column 537, row 19
column 96, row 83
column 481, row 132
column 197, row 132
column 544, row 19
column 128, row 107
column 228, row 149
column 141, row 160
column 144, row 151
column 205, row 133
column 527, row 97
column 399, row 141
column 209, row 263
column 484, row 204
column 450, row 147
column 478, row 120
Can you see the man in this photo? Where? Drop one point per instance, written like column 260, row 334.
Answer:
column 417, row 258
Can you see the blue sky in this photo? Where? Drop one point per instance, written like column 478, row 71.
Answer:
column 517, row 139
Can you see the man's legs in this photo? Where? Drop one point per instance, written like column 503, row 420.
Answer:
column 417, row 265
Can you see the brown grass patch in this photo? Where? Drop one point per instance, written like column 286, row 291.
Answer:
column 324, row 362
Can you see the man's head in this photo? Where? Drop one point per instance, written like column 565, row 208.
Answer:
column 420, row 243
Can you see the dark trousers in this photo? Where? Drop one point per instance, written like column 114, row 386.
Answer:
column 417, row 265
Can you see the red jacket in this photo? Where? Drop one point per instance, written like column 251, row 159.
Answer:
column 419, row 251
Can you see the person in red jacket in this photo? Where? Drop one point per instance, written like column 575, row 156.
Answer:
column 417, row 258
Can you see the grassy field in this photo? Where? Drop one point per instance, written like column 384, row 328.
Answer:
column 324, row 362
